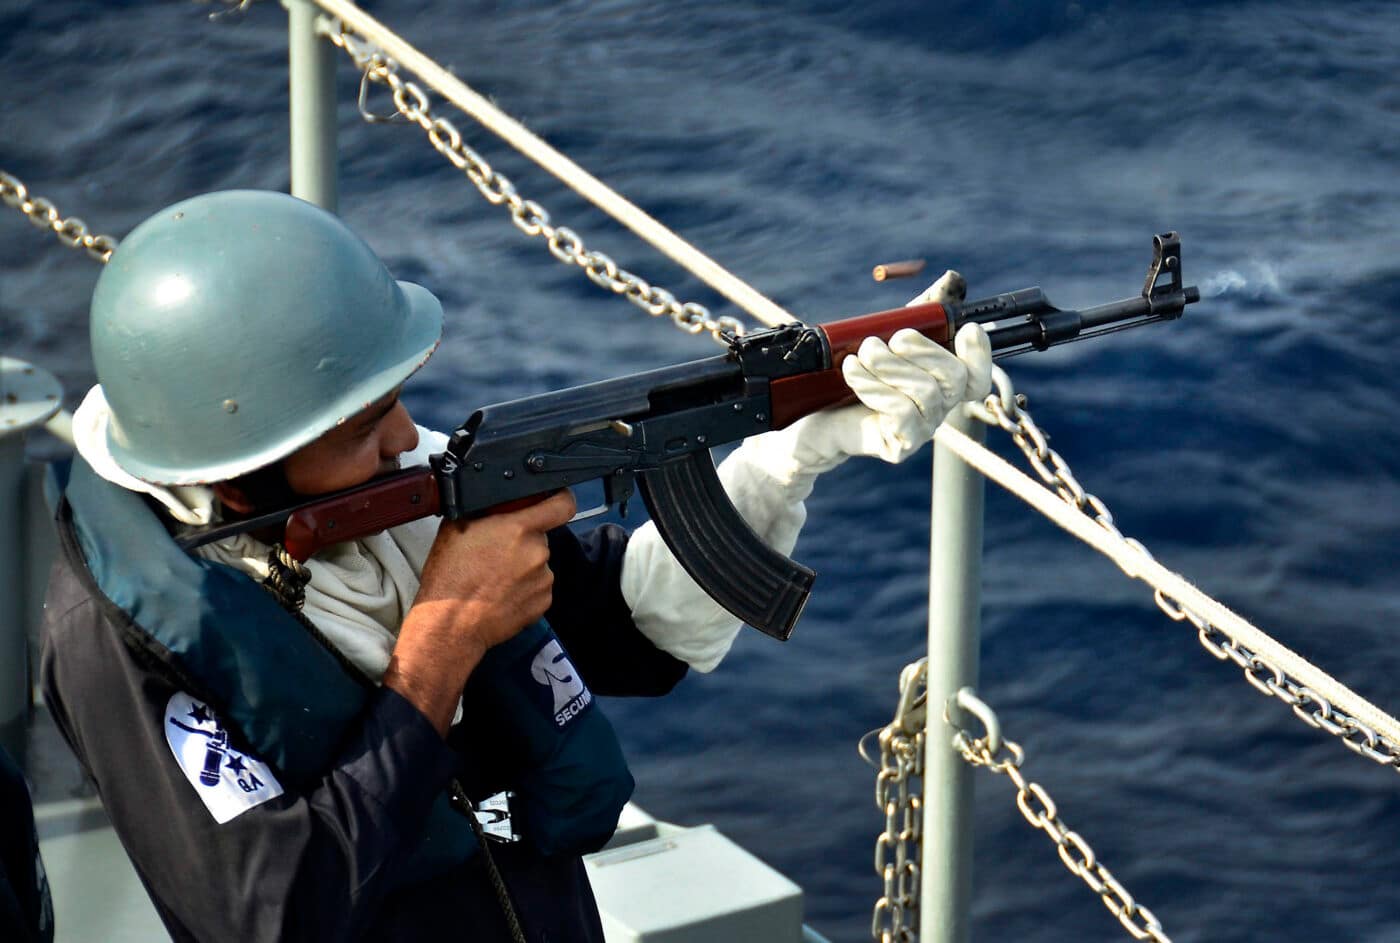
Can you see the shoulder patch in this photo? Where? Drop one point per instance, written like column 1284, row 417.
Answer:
column 552, row 669
column 228, row 782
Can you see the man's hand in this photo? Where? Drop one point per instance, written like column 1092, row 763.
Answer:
column 484, row 581
column 905, row 388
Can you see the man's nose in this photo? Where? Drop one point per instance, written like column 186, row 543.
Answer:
column 401, row 435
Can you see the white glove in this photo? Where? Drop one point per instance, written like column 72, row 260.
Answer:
column 905, row 389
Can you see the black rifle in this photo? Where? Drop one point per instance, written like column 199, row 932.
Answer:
column 653, row 432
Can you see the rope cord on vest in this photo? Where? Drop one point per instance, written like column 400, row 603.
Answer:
column 463, row 804
column 1318, row 699
column 362, row 37
column 286, row 578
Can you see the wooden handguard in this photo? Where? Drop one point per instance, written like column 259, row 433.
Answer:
column 398, row 499
column 795, row 397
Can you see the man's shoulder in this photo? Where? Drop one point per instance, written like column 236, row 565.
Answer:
column 83, row 642
column 72, row 604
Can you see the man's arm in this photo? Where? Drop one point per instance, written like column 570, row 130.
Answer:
column 594, row 622
column 483, row 581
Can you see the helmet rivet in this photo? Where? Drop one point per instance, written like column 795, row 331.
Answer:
column 230, row 405
column 179, row 215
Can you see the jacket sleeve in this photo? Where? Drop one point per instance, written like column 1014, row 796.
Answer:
column 308, row 864
column 593, row 621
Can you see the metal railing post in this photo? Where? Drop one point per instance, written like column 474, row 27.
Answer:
column 311, row 62
column 955, row 575
column 14, row 639
column 28, row 398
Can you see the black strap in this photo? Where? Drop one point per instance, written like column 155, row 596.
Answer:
column 464, row 806
column 286, row 580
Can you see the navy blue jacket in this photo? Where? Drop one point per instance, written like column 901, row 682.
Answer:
column 323, row 861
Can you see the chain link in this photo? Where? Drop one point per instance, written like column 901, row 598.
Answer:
column 897, row 792
column 1040, row 811
column 72, row 232
column 1006, row 411
column 411, row 102
column 528, row 216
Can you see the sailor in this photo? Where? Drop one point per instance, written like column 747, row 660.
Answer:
column 299, row 763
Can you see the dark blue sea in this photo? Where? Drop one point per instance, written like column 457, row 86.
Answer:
column 1254, row 445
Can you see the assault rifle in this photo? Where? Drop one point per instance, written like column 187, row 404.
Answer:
column 653, row 432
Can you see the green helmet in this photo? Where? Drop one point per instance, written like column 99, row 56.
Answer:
column 233, row 328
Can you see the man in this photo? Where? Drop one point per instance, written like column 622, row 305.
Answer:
column 299, row 764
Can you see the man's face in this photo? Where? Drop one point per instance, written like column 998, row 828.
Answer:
column 365, row 446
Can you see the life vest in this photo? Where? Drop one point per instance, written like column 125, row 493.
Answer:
column 287, row 699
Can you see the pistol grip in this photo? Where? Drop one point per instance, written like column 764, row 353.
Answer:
column 718, row 548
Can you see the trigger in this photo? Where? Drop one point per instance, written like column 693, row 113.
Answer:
column 618, row 488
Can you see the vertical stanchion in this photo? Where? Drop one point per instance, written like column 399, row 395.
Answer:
column 954, row 624
column 14, row 639
column 311, row 62
column 29, row 396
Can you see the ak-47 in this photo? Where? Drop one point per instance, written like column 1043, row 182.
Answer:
column 653, row 432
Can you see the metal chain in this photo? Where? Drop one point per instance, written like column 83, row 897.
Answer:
column 1006, row 410
column 1040, row 811
column 897, row 796
column 1311, row 708
column 528, row 216
column 72, row 232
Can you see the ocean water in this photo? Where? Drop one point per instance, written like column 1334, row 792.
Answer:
column 1253, row 445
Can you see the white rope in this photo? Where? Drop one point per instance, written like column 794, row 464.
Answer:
column 1139, row 566
column 584, row 183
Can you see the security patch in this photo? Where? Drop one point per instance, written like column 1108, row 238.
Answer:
column 552, row 667
column 227, row 781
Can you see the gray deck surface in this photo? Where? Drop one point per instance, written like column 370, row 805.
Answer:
column 97, row 897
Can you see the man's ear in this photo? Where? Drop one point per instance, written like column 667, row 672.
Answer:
column 233, row 497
